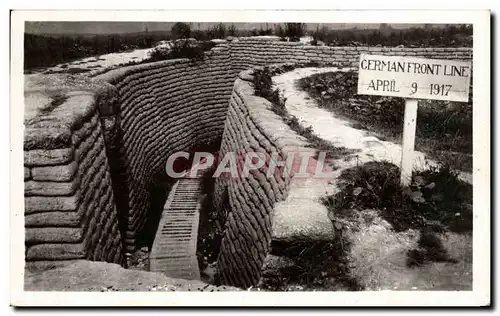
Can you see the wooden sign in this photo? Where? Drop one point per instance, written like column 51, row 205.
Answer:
column 412, row 79
column 415, row 78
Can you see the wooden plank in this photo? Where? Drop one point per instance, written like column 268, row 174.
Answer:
column 174, row 249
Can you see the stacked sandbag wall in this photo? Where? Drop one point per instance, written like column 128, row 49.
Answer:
column 248, row 52
column 251, row 127
column 70, row 211
column 166, row 107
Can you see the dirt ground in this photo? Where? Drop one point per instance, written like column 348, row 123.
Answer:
column 83, row 275
column 378, row 260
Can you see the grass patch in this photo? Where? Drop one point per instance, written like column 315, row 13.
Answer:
column 441, row 126
column 309, row 265
column 77, row 70
column 436, row 202
column 434, row 198
column 182, row 48
column 430, row 249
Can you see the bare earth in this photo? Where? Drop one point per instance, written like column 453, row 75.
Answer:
column 83, row 275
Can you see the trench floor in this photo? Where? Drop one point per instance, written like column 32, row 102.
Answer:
column 174, row 248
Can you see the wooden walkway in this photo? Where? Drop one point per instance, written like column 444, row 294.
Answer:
column 174, row 248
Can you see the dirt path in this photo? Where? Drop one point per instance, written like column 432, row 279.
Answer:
column 378, row 256
column 339, row 131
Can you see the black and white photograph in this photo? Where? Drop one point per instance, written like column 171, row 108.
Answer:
column 191, row 154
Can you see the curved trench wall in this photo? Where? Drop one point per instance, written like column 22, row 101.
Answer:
column 88, row 177
column 165, row 107
column 251, row 126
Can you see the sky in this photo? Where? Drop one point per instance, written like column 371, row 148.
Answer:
column 131, row 27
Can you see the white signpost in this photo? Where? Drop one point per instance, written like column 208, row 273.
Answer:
column 412, row 79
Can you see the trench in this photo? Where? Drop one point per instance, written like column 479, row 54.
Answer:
column 192, row 97
column 177, row 219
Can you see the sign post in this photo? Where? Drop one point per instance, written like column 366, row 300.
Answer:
column 410, row 126
column 412, row 79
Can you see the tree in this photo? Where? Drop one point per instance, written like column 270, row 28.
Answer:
column 320, row 34
column 279, row 31
column 232, row 30
column 219, row 31
column 385, row 28
column 181, row 30
column 295, row 31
